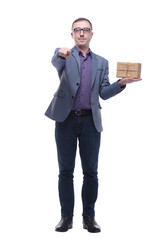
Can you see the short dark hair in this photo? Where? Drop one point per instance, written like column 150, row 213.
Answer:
column 82, row 19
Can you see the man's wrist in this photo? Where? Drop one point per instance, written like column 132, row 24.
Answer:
column 121, row 84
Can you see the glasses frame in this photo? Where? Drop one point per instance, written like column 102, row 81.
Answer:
column 85, row 30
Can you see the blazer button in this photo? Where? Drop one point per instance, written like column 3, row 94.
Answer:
column 77, row 84
column 72, row 97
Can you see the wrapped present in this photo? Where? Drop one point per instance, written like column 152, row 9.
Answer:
column 128, row 70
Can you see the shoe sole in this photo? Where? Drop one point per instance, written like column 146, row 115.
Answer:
column 65, row 230
column 85, row 227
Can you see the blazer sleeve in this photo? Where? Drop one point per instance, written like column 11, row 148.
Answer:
column 108, row 90
column 57, row 61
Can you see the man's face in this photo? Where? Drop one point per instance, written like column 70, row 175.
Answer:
column 82, row 38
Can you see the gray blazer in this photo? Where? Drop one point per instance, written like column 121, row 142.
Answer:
column 69, row 73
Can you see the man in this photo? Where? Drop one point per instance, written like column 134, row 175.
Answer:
column 76, row 110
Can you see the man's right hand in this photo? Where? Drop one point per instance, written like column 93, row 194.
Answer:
column 64, row 52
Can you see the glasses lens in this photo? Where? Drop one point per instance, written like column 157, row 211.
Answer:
column 77, row 30
column 86, row 30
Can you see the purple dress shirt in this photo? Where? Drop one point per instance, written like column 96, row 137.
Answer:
column 83, row 96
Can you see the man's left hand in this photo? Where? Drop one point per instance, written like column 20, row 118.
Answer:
column 125, row 81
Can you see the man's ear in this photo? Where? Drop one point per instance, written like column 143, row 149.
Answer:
column 71, row 34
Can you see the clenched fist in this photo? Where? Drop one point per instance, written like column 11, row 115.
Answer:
column 64, row 52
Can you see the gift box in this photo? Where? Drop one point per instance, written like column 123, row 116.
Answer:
column 128, row 70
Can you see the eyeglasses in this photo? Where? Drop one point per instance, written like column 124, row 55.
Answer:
column 78, row 30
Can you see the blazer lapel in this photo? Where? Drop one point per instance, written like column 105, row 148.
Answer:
column 76, row 56
column 94, row 68
column 72, row 70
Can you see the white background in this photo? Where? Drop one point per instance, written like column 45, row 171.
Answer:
column 128, row 205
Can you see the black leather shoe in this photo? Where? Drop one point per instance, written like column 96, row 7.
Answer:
column 90, row 224
column 65, row 224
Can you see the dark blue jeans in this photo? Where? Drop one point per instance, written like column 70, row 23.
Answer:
column 67, row 133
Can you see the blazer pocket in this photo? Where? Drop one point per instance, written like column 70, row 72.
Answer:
column 100, row 72
column 100, row 69
column 59, row 93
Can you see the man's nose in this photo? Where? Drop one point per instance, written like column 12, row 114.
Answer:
column 81, row 33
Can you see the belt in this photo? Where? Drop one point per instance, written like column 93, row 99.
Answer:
column 81, row 112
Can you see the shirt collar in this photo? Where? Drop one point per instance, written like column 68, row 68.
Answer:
column 80, row 53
